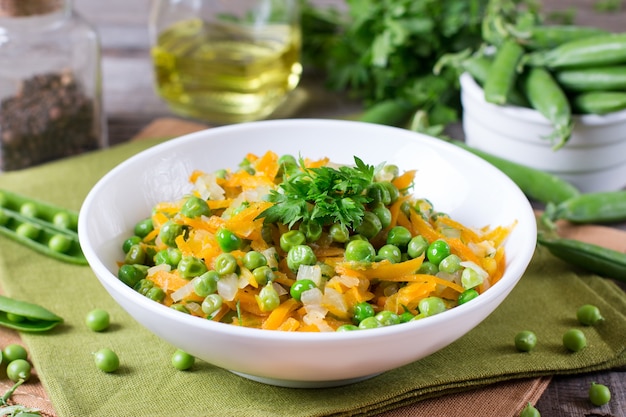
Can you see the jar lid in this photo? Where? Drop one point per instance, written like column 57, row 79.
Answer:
column 24, row 8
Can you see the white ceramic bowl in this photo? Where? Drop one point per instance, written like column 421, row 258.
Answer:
column 455, row 181
column 594, row 159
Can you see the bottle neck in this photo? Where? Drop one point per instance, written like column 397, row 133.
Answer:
column 32, row 8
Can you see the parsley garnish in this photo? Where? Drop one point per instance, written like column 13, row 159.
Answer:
column 323, row 195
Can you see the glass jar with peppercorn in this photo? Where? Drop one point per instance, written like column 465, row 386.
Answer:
column 50, row 84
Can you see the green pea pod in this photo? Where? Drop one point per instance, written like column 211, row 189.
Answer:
column 478, row 67
column 551, row 36
column 503, row 72
column 599, row 102
column 46, row 240
column 49, row 213
column 547, row 97
column 537, row 185
column 25, row 316
column 610, row 78
column 390, row 112
column 587, row 52
column 594, row 258
column 599, row 207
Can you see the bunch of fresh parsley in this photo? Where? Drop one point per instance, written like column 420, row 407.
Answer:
column 322, row 195
column 382, row 50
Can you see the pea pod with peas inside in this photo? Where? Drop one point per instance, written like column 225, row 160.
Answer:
column 25, row 316
column 40, row 226
column 598, row 207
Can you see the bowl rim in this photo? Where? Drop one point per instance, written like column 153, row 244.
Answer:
column 500, row 289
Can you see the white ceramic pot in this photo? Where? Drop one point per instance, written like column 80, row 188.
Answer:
column 594, row 159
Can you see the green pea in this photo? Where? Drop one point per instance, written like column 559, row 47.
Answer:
column 530, row 411
column 383, row 213
column 406, row 317
column 378, row 194
column 360, row 251
column 399, row 236
column 437, row 250
column 169, row 256
column 62, row 220
column 430, row 306
column 206, row 283
column 143, row 285
column 267, row 233
column 287, row 164
column 182, row 360
column 28, row 230
column 362, row 311
column 391, row 253
column 221, row 173
column 347, row 328
column 143, row 227
column 29, row 210
column 13, row 352
column 450, row 264
column 212, row 303
column 60, row 243
column 135, row 255
column 156, row 294
column 588, row 315
column 19, row 370
column 428, row 268
column 15, row 318
column 132, row 274
column 263, row 275
column 388, row 173
column 370, row 225
column 525, row 341
column 268, row 298
column 180, row 307
column 195, row 207
column 190, row 267
column 312, row 230
column 599, row 394
column 106, row 360
column 291, row 238
column 301, row 286
column 227, row 240
column 338, row 232
column 574, row 340
column 253, row 259
column 393, row 191
column 300, row 255
column 370, row 323
column 387, row 318
column 470, row 278
column 170, row 230
column 417, row 246
column 98, row 320
column 225, row 264
column 467, row 295
column 133, row 240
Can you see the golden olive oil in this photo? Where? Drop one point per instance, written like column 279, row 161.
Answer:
column 222, row 73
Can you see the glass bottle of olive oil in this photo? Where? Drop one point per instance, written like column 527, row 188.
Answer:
column 228, row 66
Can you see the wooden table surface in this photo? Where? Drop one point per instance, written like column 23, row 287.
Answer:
column 131, row 103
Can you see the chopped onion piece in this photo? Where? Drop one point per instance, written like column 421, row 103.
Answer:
column 312, row 272
column 183, row 292
column 272, row 257
column 279, row 288
column 227, row 286
column 311, row 297
column 482, row 249
column 346, row 280
column 475, row 267
column 194, row 307
column 333, row 298
column 207, row 187
column 161, row 267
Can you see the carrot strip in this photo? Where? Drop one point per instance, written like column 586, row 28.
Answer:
column 405, row 180
column 383, row 270
column 279, row 315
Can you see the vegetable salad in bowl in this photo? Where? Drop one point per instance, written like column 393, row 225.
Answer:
column 297, row 244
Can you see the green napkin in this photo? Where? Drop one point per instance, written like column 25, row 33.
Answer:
column 545, row 301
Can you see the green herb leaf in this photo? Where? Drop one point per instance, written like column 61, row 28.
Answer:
column 323, row 195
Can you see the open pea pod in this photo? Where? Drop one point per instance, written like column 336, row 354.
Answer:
column 25, row 316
